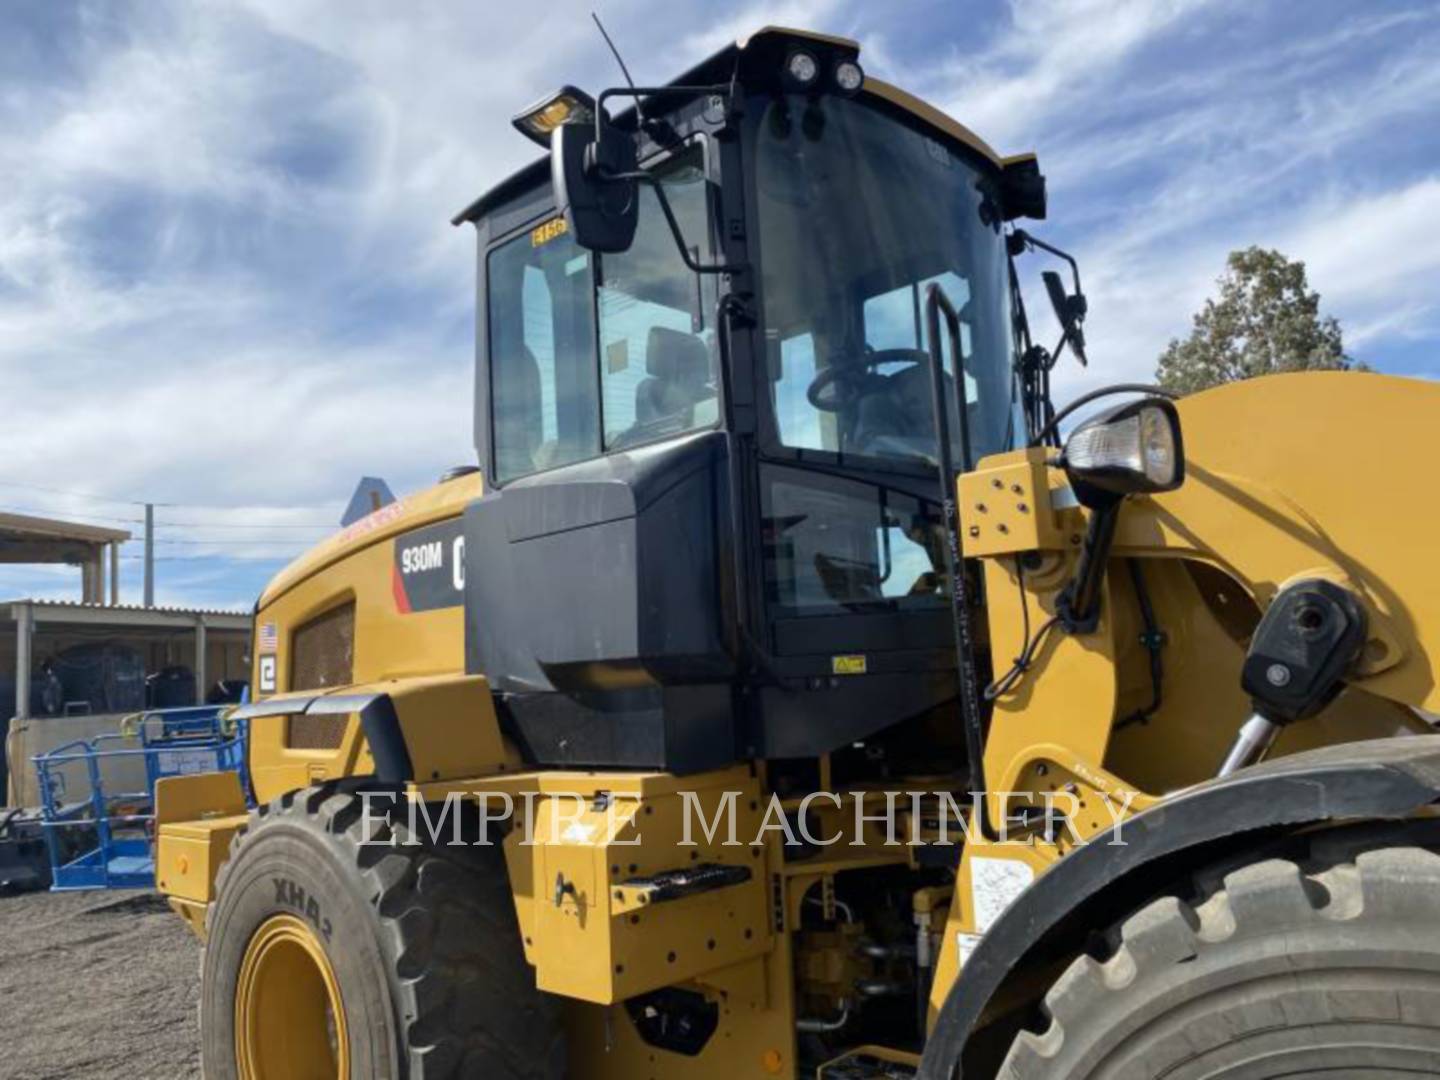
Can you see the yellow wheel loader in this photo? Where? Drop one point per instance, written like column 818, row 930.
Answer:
column 787, row 694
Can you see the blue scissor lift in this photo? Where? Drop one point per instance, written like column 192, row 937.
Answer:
column 101, row 838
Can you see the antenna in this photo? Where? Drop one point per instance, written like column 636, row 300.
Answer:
column 639, row 112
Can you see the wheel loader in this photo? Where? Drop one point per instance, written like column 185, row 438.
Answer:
column 792, row 690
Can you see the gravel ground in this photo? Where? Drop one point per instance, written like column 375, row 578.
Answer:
column 96, row 984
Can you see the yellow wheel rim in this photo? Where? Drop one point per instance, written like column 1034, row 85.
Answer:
column 289, row 1019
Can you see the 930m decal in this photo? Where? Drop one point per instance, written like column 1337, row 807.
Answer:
column 429, row 568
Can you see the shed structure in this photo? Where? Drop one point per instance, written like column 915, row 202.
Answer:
column 38, row 634
column 96, row 550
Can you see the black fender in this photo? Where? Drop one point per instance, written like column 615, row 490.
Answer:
column 378, row 719
column 1376, row 779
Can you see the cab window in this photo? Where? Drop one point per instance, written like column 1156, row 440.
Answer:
column 657, row 349
column 545, row 400
column 592, row 353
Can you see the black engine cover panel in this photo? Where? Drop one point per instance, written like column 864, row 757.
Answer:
column 594, row 606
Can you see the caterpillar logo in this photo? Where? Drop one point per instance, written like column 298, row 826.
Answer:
column 429, row 568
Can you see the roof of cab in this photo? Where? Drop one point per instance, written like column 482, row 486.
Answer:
column 713, row 69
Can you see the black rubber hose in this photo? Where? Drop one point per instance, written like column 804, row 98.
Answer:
column 1094, row 395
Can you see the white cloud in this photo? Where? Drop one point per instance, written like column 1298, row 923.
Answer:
column 717, row 32
column 1380, row 249
column 1052, row 52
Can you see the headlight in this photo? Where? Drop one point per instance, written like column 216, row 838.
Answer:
column 1133, row 449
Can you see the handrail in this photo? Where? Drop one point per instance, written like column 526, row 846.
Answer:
column 936, row 303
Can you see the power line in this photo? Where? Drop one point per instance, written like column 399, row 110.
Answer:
column 41, row 511
column 239, row 541
column 267, row 527
column 206, row 556
column 83, row 517
column 74, row 494
column 193, row 507
column 198, row 508
column 223, row 525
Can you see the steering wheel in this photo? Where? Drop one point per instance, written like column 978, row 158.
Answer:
column 848, row 382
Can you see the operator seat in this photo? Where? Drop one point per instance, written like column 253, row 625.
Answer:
column 677, row 366
column 900, row 417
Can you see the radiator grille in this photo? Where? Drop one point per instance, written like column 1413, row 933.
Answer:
column 316, row 732
column 323, row 656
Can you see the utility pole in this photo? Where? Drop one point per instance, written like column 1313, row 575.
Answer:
column 149, row 555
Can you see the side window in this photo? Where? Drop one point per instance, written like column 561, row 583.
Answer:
column 657, row 348
column 544, row 398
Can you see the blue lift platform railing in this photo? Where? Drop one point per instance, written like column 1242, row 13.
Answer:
column 101, row 839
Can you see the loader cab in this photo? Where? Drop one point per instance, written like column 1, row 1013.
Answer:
column 711, row 528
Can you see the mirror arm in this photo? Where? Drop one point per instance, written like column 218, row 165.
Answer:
column 694, row 265
column 637, row 92
column 645, row 177
column 1030, row 240
column 1074, row 314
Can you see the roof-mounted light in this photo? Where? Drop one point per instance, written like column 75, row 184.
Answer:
column 802, row 68
column 849, row 77
column 566, row 106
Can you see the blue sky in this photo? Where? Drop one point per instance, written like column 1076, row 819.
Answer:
column 228, row 282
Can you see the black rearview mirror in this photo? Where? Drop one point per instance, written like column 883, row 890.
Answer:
column 595, row 186
column 1069, row 310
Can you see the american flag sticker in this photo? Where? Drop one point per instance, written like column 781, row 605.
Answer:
column 269, row 638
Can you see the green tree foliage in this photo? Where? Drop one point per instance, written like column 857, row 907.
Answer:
column 1267, row 319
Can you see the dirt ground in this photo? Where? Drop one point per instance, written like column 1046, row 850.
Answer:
column 96, row 984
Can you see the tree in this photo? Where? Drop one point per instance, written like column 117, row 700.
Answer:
column 1267, row 319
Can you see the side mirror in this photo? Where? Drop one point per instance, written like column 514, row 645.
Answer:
column 601, row 211
column 1069, row 310
column 1133, row 449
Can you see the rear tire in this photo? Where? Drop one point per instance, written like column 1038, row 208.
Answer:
column 422, row 941
column 1327, row 971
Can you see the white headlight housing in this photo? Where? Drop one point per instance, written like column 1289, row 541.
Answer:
column 1133, row 449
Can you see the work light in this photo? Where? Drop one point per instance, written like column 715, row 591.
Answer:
column 802, row 68
column 566, row 106
column 848, row 76
column 1133, row 449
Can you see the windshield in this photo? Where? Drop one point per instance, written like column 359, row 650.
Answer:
column 859, row 216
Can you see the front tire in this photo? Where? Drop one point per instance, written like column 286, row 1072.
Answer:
column 329, row 957
column 1327, row 969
